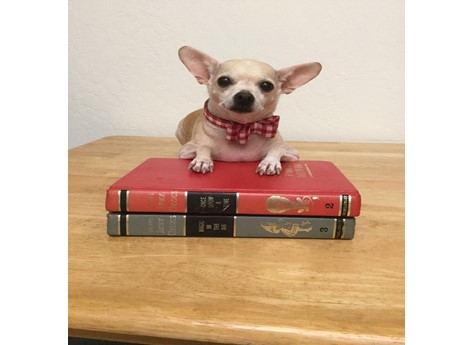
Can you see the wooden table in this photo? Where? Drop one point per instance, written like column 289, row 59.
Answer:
column 234, row 290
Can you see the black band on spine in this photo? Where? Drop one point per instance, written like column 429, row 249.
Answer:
column 212, row 202
column 339, row 229
column 345, row 204
column 123, row 200
column 123, row 225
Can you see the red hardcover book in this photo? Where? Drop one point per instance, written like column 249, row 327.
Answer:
column 165, row 185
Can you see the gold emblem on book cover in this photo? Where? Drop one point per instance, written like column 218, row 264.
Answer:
column 281, row 204
column 288, row 228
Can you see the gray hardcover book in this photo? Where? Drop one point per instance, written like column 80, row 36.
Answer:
column 149, row 224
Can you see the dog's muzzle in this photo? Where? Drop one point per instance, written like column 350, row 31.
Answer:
column 243, row 102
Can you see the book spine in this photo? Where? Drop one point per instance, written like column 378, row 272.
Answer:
column 141, row 224
column 339, row 205
column 146, row 201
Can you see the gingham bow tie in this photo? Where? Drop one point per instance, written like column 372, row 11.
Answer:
column 240, row 132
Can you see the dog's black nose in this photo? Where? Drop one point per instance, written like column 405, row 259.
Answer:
column 243, row 98
column 242, row 101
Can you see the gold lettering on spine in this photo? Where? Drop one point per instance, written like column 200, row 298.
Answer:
column 160, row 225
column 201, row 226
column 151, row 226
column 172, row 226
column 151, row 201
column 281, row 204
column 173, row 202
column 161, row 201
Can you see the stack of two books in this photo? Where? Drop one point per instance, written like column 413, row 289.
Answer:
column 161, row 197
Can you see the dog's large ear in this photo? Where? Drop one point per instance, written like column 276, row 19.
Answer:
column 294, row 77
column 198, row 63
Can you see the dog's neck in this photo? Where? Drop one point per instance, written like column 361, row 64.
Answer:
column 239, row 132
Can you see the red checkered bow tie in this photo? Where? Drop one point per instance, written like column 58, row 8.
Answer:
column 240, row 132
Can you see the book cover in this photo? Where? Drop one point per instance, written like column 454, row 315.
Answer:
column 150, row 224
column 165, row 185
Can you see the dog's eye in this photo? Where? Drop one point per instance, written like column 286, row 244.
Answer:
column 224, row 81
column 267, row 86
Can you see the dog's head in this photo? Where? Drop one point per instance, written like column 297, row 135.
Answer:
column 245, row 90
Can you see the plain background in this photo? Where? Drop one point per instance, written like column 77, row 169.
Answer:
column 125, row 77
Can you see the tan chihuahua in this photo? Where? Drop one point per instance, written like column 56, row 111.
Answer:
column 237, row 121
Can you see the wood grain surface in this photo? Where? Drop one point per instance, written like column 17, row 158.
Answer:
column 236, row 290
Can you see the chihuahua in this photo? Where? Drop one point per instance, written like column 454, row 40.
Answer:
column 237, row 122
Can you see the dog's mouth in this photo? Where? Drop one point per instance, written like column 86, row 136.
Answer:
column 241, row 109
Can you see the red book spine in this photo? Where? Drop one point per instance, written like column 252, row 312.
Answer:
column 145, row 201
column 342, row 205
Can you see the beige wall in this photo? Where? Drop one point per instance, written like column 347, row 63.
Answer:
column 125, row 77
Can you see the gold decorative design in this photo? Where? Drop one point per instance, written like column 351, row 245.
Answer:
column 281, row 204
column 288, row 228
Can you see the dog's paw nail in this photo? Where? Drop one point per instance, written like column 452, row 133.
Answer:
column 261, row 169
column 206, row 167
column 201, row 166
column 269, row 168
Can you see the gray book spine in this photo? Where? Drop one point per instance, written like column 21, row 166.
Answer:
column 148, row 224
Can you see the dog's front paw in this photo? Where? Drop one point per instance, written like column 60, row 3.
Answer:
column 269, row 166
column 201, row 165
